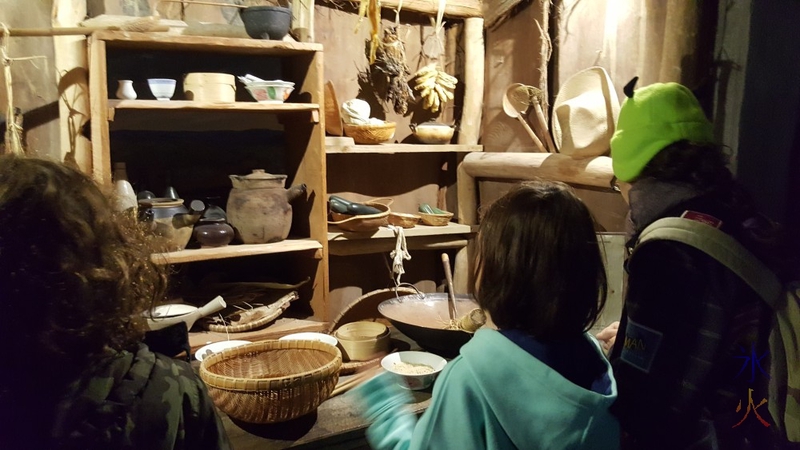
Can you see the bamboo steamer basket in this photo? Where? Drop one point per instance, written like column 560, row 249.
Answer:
column 210, row 87
column 366, row 222
column 362, row 341
column 271, row 381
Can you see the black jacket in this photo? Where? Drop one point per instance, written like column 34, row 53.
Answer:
column 684, row 356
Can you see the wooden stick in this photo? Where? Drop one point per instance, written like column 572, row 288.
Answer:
column 543, row 126
column 531, row 134
column 73, row 31
column 355, row 380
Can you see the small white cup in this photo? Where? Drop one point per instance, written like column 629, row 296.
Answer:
column 162, row 88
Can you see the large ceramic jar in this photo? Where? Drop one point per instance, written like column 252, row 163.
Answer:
column 258, row 206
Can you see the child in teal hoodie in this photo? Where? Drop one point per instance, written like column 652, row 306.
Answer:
column 538, row 381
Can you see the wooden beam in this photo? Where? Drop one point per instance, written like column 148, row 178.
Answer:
column 72, row 68
column 459, row 9
column 594, row 172
column 474, row 54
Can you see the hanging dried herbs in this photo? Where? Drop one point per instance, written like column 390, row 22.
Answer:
column 389, row 73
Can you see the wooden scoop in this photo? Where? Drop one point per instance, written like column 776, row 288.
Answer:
column 511, row 111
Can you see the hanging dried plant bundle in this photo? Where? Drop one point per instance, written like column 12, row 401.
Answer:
column 390, row 64
column 372, row 10
column 435, row 87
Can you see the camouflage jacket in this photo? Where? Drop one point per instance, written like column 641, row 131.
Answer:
column 138, row 401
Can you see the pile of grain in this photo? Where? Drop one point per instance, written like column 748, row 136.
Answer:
column 412, row 369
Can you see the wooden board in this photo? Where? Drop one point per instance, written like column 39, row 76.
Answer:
column 279, row 328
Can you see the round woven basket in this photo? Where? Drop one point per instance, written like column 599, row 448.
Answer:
column 403, row 220
column 371, row 134
column 272, row 381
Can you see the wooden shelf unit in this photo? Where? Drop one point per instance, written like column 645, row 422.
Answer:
column 235, row 251
column 115, row 55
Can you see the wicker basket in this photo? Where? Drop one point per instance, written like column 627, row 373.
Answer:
column 436, row 220
column 367, row 222
column 371, row 134
column 403, row 220
column 271, row 381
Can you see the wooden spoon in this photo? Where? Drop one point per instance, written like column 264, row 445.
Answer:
column 511, row 111
column 451, row 295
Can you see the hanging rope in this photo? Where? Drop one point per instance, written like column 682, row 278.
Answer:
column 399, row 254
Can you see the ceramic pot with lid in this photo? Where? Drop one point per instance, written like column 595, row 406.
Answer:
column 259, row 206
column 171, row 219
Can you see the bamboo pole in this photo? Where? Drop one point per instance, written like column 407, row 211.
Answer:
column 594, row 172
column 470, row 127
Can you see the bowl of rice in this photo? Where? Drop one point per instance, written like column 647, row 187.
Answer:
column 414, row 370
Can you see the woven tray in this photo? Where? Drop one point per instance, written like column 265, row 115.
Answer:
column 265, row 315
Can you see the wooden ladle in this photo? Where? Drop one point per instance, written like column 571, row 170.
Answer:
column 451, row 295
column 512, row 111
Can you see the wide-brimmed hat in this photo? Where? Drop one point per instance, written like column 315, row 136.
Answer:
column 585, row 113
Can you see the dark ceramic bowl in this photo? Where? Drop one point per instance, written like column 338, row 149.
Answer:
column 266, row 22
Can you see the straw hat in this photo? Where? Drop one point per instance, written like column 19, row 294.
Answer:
column 584, row 114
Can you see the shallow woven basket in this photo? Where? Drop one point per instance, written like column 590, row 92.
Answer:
column 271, row 381
column 403, row 220
column 436, row 220
column 367, row 222
column 371, row 134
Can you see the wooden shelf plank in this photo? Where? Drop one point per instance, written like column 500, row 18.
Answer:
column 385, row 245
column 191, row 105
column 458, row 9
column 401, row 148
column 278, row 329
column 235, row 251
column 205, row 43
column 337, row 234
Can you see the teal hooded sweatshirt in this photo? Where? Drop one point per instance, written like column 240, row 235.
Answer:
column 494, row 395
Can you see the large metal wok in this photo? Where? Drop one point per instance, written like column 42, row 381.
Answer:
column 424, row 318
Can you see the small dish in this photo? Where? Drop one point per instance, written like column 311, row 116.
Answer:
column 311, row 336
column 216, row 347
column 162, row 88
column 428, row 363
column 433, row 132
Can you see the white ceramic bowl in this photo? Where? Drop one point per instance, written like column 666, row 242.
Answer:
column 162, row 88
column 409, row 381
column 276, row 91
column 216, row 347
column 310, row 336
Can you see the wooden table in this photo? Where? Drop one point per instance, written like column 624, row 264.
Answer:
column 337, row 423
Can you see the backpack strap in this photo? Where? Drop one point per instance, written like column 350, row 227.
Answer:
column 722, row 247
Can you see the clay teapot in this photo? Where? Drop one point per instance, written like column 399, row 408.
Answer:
column 258, row 206
column 171, row 219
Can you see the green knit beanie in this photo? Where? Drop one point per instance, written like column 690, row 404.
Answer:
column 650, row 119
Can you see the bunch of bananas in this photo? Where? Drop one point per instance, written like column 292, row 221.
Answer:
column 435, row 87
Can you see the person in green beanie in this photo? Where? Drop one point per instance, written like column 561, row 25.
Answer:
column 538, row 381
column 689, row 351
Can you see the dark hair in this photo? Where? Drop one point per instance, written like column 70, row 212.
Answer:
column 73, row 273
column 704, row 166
column 539, row 266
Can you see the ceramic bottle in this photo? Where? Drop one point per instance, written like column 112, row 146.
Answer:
column 125, row 90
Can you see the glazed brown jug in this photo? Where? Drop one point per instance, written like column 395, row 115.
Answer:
column 258, row 206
